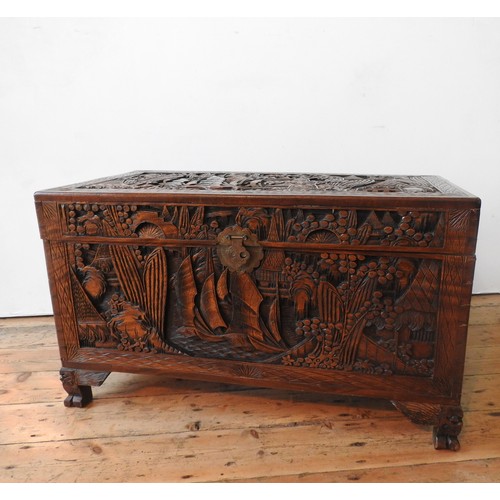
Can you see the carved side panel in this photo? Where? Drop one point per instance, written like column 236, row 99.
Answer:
column 453, row 317
column 51, row 217
column 461, row 230
column 62, row 298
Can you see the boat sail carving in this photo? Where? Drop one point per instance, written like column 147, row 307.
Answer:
column 186, row 293
column 274, row 318
column 222, row 289
column 246, row 302
column 209, row 307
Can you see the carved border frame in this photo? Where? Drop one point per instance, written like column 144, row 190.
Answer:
column 260, row 374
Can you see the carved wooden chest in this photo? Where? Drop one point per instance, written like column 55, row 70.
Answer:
column 348, row 284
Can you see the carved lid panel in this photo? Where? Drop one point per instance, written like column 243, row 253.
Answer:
column 248, row 183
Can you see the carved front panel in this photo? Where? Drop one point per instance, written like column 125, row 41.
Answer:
column 327, row 310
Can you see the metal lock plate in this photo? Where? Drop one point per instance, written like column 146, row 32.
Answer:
column 238, row 249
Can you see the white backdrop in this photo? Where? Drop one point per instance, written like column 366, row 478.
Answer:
column 83, row 98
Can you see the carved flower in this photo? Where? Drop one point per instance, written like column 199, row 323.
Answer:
column 364, row 366
column 312, row 361
column 89, row 224
column 382, row 369
column 423, row 366
column 331, row 362
column 405, row 351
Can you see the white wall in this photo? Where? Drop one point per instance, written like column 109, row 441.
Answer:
column 81, row 98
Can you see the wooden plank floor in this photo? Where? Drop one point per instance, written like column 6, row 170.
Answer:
column 150, row 429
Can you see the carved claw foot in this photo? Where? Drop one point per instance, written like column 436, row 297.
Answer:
column 445, row 442
column 448, row 428
column 447, row 421
column 79, row 396
column 77, row 383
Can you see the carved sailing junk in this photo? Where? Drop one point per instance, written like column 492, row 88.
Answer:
column 200, row 314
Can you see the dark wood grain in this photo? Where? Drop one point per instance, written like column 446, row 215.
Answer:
column 356, row 285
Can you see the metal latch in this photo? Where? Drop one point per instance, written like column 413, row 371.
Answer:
column 238, row 249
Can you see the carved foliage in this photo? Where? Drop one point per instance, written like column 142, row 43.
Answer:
column 328, row 310
column 374, row 315
column 120, row 296
column 335, row 226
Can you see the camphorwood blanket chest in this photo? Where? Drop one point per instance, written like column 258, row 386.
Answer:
column 346, row 284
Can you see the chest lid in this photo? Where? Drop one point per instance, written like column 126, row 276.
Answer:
column 284, row 189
